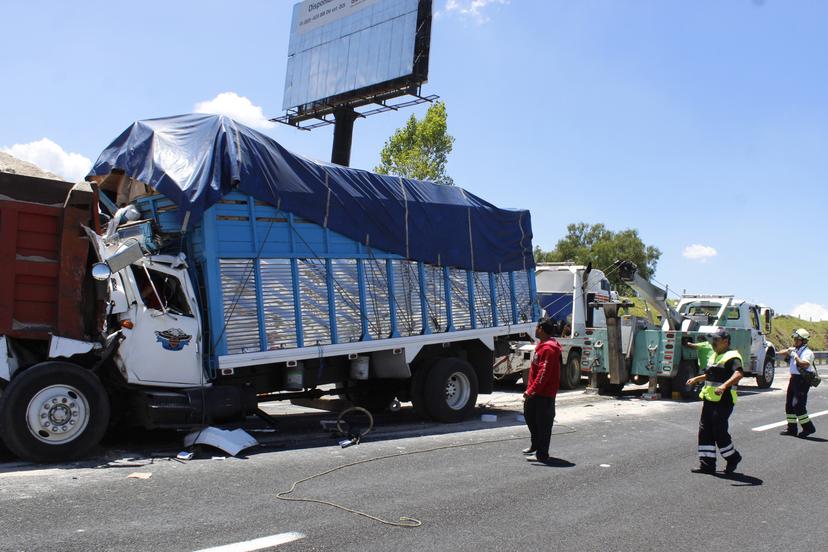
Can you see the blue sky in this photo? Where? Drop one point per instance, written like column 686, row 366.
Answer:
column 702, row 123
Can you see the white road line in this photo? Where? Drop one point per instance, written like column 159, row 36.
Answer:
column 780, row 424
column 257, row 544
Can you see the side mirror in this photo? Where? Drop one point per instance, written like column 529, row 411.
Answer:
column 101, row 272
column 768, row 321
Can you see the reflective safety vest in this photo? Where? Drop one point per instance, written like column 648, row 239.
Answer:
column 717, row 373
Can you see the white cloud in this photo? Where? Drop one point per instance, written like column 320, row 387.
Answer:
column 237, row 107
column 51, row 157
column 810, row 311
column 472, row 9
column 699, row 252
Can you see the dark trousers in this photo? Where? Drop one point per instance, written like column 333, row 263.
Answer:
column 540, row 415
column 713, row 431
column 796, row 401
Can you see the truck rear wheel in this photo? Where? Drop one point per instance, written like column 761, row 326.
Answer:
column 450, row 390
column 687, row 369
column 571, row 371
column 5, row 453
column 765, row 379
column 53, row 412
column 607, row 388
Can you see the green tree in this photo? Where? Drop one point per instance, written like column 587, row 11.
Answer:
column 420, row 149
column 595, row 243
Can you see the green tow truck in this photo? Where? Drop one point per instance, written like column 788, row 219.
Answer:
column 633, row 349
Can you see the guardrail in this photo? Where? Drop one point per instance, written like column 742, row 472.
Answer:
column 820, row 359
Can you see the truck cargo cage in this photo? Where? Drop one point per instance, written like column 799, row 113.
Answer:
column 276, row 281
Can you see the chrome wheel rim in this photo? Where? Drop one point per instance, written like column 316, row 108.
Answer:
column 458, row 390
column 57, row 414
column 769, row 371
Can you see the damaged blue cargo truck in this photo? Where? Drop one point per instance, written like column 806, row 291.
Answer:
column 229, row 272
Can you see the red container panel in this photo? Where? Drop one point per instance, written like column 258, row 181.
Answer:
column 29, row 268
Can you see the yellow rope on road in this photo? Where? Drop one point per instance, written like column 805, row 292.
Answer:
column 403, row 521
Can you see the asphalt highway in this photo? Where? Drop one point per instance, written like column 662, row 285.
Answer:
column 622, row 482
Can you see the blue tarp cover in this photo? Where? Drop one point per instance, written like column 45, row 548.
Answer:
column 194, row 160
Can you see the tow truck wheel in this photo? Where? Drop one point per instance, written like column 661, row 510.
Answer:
column 687, row 369
column 607, row 388
column 52, row 412
column 450, row 390
column 571, row 373
column 765, row 379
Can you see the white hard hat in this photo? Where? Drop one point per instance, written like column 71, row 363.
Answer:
column 802, row 334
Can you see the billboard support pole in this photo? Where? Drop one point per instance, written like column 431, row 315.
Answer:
column 344, row 117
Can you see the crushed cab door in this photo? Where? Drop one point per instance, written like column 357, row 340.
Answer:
column 163, row 347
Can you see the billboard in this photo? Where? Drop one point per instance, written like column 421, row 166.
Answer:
column 344, row 51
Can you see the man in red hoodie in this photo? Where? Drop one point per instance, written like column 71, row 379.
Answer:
column 539, row 398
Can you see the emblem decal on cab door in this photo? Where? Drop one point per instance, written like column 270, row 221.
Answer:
column 173, row 339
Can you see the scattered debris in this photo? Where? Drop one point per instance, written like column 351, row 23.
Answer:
column 185, row 455
column 139, row 475
column 231, row 442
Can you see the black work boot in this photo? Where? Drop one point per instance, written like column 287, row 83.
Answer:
column 732, row 461
column 792, row 430
column 705, row 467
column 807, row 429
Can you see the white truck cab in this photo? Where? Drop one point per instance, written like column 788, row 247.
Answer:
column 715, row 311
column 567, row 293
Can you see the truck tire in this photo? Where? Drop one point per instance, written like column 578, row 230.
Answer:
column 571, row 371
column 450, row 390
column 607, row 388
column 686, row 370
column 665, row 388
column 53, row 412
column 765, row 379
column 5, row 453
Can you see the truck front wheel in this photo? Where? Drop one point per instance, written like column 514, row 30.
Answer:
column 765, row 379
column 450, row 390
column 52, row 412
column 571, row 371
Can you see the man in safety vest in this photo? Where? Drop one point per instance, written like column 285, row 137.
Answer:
column 539, row 398
column 723, row 372
column 801, row 359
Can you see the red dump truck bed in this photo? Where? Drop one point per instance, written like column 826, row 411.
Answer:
column 42, row 259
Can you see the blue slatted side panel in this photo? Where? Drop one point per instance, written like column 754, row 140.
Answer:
column 369, row 294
